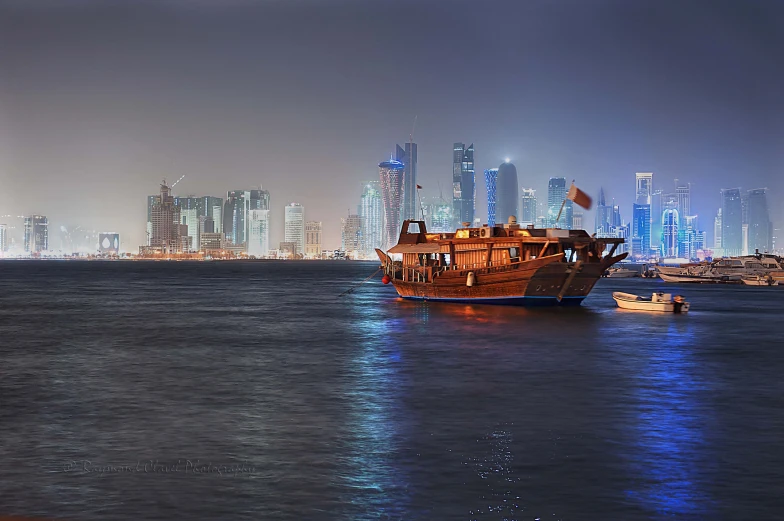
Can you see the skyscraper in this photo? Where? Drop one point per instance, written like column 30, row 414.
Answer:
column 528, row 207
column 371, row 210
column 683, row 193
column 656, row 220
column 313, row 239
column 644, row 187
column 641, row 230
column 760, row 227
column 438, row 216
column 235, row 213
column 294, row 223
column 604, row 215
column 391, row 177
column 731, row 222
column 463, row 184
column 165, row 216
column 717, row 230
column 408, row 156
column 670, row 221
column 3, row 238
column 351, row 235
column 36, row 233
column 506, row 205
column 491, row 182
column 556, row 195
column 213, row 209
column 258, row 233
column 577, row 220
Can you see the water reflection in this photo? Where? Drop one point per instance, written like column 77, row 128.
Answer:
column 377, row 484
column 669, row 427
column 495, row 468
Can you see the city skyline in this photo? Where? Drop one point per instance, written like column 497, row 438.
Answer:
column 103, row 127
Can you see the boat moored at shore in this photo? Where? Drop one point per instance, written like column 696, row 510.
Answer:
column 504, row 264
column 660, row 302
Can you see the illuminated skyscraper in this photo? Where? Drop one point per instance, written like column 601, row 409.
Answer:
column 3, row 238
column 258, row 233
column 670, row 221
column 506, row 205
column 717, row 230
column 463, row 184
column 351, row 235
column 235, row 212
column 438, row 216
column 408, row 156
column 556, row 195
column 213, row 209
column 603, row 216
column 528, row 207
column 491, row 181
column 644, row 188
column 641, row 230
column 294, row 231
column 683, row 193
column 760, row 227
column 371, row 210
column 732, row 222
column 165, row 216
column 391, row 177
column 313, row 239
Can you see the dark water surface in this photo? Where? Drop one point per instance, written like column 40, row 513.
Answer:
column 231, row 390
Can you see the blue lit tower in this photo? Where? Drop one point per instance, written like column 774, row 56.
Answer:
column 732, row 222
column 371, row 211
column 463, row 183
column 670, row 221
column 391, row 175
column 491, row 178
column 408, row 156
column 506, row 204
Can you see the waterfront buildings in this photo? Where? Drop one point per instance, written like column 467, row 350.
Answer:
column 438, row 216
column 109, row 243
column 641, row 231
column 165, row 222
column 258, row 244
column 670, row 220
column 391, row 180
column 3, row 238
column 528, row 207
column 717, row 231
column 294, row 227
column 313, row 239
column 351, row 235
column 371, row 210
column 463, row 184
column 211, row 241
column 235, row 213
column 506, row 199
column 760, row 228
column 408, row 156
column 731, row 222
column 556, row 195
column 491, row 183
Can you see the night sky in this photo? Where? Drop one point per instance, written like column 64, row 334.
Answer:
column 100, row 100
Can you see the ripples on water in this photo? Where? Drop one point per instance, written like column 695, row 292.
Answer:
column 120, row 380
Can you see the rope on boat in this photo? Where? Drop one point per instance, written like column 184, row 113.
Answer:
column 350, row 290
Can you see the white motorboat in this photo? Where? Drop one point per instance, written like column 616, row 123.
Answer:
column 621, row 273
column 657, row 302
column 760, row 280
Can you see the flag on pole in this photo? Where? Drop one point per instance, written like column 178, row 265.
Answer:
column 419, row 187
column 578, row 196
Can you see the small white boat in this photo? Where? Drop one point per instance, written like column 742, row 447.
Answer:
column 760, row 280
column 624, row 273
column 657, row 302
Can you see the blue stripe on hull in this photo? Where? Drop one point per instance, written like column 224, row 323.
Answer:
column 508, row 301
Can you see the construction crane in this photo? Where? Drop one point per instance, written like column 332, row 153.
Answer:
column 178, row 180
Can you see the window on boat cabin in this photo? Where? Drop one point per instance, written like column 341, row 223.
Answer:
column 413, row 228
column 514, row 254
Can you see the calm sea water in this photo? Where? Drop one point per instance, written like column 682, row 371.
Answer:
column 234, row 390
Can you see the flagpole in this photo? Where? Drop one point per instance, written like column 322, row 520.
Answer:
column 421, row 210
column 563, row 204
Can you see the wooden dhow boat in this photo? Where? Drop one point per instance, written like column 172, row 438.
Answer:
column 502, row 264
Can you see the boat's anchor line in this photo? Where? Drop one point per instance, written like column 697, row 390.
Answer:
column 351, row 290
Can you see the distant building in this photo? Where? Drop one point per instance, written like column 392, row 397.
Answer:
column 165, row 222
column 732, row 222
column 351, row 235
column 641, row 230
column 288, row 249
column 391, row 177
column 438, row 217
column 211, row 241
column 577, row 221
column 313, row 239
column 463, row 184
column 556, row 195
column 3, row 238
column 189, row 217
column 109, row 243
column 371, row 210
column 294, row 226
column 644, row 185
column 683, row 193
column 670, row 221
column 656, row 220
column 258, row 243
column 235, row 212
column 506, row 205
column 760, row 227
column 491, row 184
column 213, row 211
column 408, row 156
column 36, row 234
column 528, row 207
column 717, row 231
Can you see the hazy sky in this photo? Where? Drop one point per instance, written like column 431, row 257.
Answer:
column 99, row 100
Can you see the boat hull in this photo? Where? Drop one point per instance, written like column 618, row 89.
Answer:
column 509, row 301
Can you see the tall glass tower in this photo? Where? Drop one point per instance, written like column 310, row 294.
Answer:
column 371, row 210
column 760, row 227
column 670, row 221
column 506, row 205
column 463, row 183
column 391, row 175
column 556, row 194
column 408, row 156
column 528, row 207
column 491, row 180
column 294, row 226
column 731, row 222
